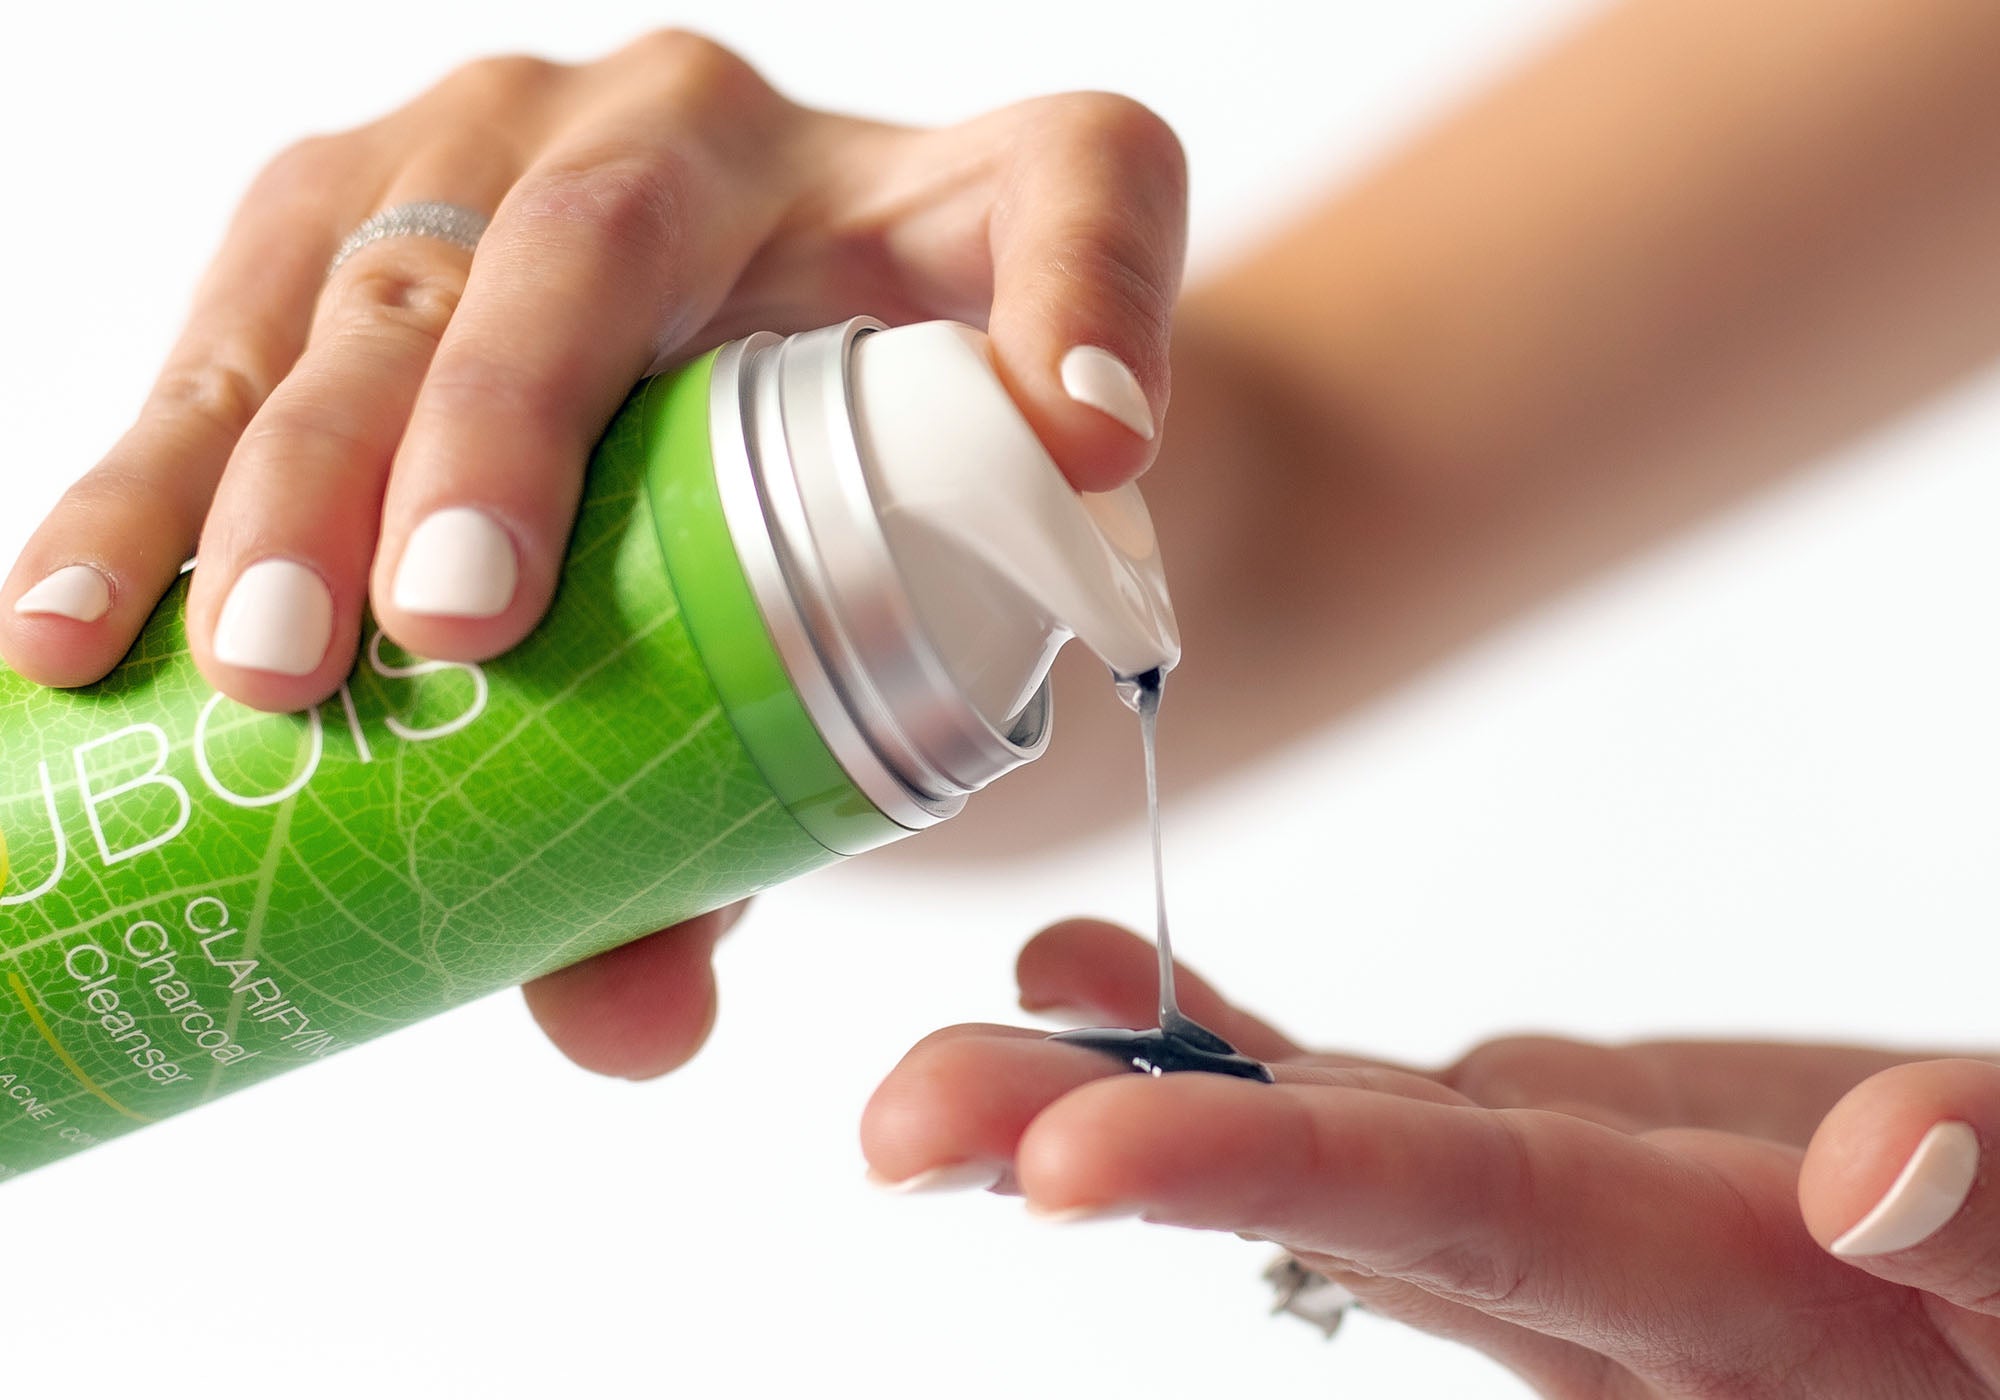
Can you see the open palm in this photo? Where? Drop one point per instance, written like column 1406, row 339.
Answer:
column 1639, row 1221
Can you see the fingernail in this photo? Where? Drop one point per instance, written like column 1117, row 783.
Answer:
column 954, row 1176
column 76, row 591
column 1082, row 1215
column 458, row 563
column 1102, row 380
column 278, row 618
column 1933, row 1185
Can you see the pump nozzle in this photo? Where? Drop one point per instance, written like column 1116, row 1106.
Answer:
column 1005, row 561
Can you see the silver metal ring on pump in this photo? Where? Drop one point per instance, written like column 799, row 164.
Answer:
column 735, row 403
column 795, row 494
column 909, row 702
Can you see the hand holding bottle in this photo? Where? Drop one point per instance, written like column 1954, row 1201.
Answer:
column 406, row 434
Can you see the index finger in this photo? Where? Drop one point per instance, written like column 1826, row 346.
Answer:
column 611, row 251
column 1088, row 233
column 969, row 1093
column 1684, row 1246
column 93, row 572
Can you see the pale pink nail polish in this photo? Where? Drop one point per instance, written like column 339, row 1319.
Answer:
column 1100, row 379
column 76, row 591
column 1083, row 1215
column 952, row 1176
column 1928, row 1192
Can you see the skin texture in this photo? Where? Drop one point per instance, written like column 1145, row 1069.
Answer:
column 1677, row 254
column 1606, row 1221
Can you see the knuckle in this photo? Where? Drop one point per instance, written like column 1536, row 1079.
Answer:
column 304, row 169
column 1466, row 1274
column 1490, row 1267
column 220, row 391
column 111, row 491
column 700, row 68
column 632, row 205
column 499, row 79
column 329, row 425
column 1488, row 1263
column 398, row 298
column 1132, row 132
column 466, row 386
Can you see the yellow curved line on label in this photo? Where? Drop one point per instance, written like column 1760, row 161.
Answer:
column 69, row 1060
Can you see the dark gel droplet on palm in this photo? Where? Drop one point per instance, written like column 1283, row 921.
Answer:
column 1179, row 1043
column 1167, row 1052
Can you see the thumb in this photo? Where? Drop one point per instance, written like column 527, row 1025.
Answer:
column 1893, row 1182
column 1087, row 237
column 638, row 1010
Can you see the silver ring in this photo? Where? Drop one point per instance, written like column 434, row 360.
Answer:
column 1309, row 1296
column 454, row 223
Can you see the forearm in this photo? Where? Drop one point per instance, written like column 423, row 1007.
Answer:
column 1683, row 250
column 1695, row 223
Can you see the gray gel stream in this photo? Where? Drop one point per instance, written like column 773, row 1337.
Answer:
column 1179, row 1043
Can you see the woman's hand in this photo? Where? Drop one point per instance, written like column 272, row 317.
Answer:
column 308, row 430
column 1633, row 1242
column 409, row 434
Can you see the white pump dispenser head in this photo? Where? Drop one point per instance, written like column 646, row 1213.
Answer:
column 916, row 556
column 1003, row 559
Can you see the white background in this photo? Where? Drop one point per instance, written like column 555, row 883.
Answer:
column 1745, row 783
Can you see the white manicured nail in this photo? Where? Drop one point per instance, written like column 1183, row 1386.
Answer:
column 956, row 1176
column 278, row 618
column 1100, row 379
column 1082, row 1215
column 1933, row 1185
column 458, row 563
column 76, row 591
